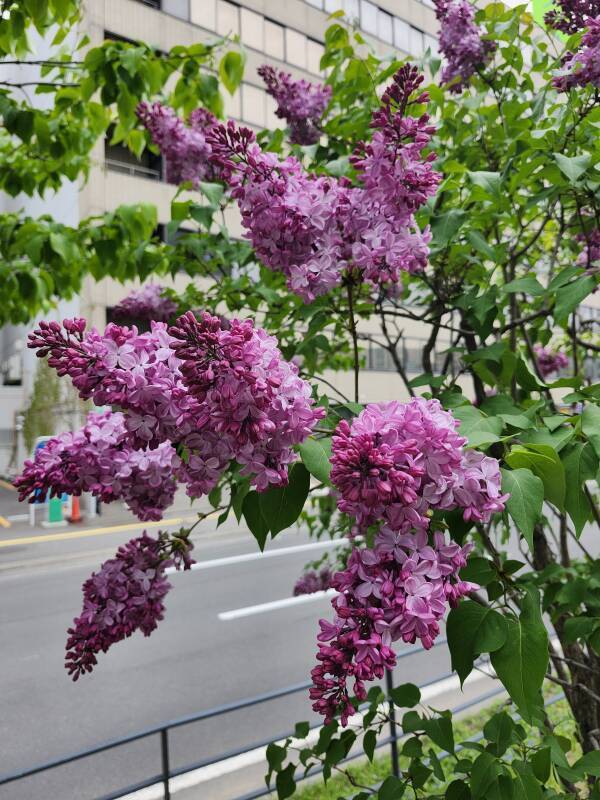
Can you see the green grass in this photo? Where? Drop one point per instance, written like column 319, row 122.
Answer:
column 465, row 728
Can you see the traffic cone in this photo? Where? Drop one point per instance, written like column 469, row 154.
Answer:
column 75, row 510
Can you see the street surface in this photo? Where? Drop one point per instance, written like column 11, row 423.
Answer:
column 199, row 657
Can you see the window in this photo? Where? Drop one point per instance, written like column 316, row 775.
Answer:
column 368, row 17
column 151, row 3
column 352, row 9
column 253, row 29
column 109, row 36
column 385, row 27
column 253, row 105
column 402, row 34
column 119, row 158
column 333, row 5
column 416, row 42
column 228, row 18
column 313, row 56
column 295, row 48
column 204, row 13
column 274, row 40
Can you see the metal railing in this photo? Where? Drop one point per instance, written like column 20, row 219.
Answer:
column 167, row 772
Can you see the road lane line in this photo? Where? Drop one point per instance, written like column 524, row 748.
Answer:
column 4, row 522
column 261, row 608
column 60, row 537
column 256, row 556
column 188, row 780
column 7, row 485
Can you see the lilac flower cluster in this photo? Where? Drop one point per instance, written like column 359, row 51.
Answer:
column 217, row 390
column 549, row 361
column 399, row 460
column 583, row 67
column 590, row 253
column 99, row 459
column 460, row 43
column 246, row 392
column 313, row 228
column 313, row 581
column 392, row 466
column 124, row 596
column 186, row 149
column 570, row 16
column 300, row 103
column 400, row 589
column 147, row 303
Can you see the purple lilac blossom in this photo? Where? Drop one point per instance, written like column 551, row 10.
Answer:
column 570, row 16
column 147, row 303
column 125, row 595
column 590, row 254
column 312, row 581
column 313, row 228
column 399, row 590
column 300, row 103
column 549, row 361
column 460, row 43
column 218, row 390
column 185, row 147
column 99, row 459
column 583, row 67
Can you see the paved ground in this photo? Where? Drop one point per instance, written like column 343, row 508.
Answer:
column 195, row 660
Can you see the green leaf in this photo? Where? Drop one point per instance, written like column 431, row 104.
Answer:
column 444, row 227
column 581, row 464
column 486, row 769
column 498, row 731
column 541, row 763
column 406, row 696
column 528, row 285
column 280, row 507
column 439, row 730
column 458, row 790
column 590, row 425
column 522, row 661
column 258, row 525
column 526, row 377
column 544, row 462
column 212, row 191
column 525, row 783
column 569, row 297
column 231, row 70
column 573, row 167
column 481, row 245
column 490, row 182
column 476, row 426
column 391, row 789
column 301, row 730
column 589, row 764
column 285, row 783
column 526, row 499
column 473, row 629
column 315, row 455
column 369, row 743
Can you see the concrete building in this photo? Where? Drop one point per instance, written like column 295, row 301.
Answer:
column 286, row 33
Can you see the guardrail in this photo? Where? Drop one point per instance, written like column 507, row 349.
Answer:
column 162, row 732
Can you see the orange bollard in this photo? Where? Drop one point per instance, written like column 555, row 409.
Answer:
column 75, row 510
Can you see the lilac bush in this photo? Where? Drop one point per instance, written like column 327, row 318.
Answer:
column 583, row 67
column 549, row 361
column 460, row 43
column 300, row 103
column 570, row 16
column 148, row 303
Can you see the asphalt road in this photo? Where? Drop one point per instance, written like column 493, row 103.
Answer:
column 194, row 661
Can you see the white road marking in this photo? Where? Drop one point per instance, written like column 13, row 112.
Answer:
column 258, row 755
column 261, row 608
column 240, row 559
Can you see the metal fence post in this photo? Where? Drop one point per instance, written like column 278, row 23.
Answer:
column 389, row 685
column 164, row 751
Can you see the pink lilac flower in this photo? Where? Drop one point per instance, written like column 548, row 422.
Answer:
column 549, row 361
column 590, row 253
column 245, row 391
column 124, row 596
column 300, row 103
column 569, row 16
column 217, row 390
column 460, row 43
column 399, row 590
column 313, row 581
column 314, row 228
column 99, row 459
column 147, row 303
column 583, row 67
column 185, row 148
